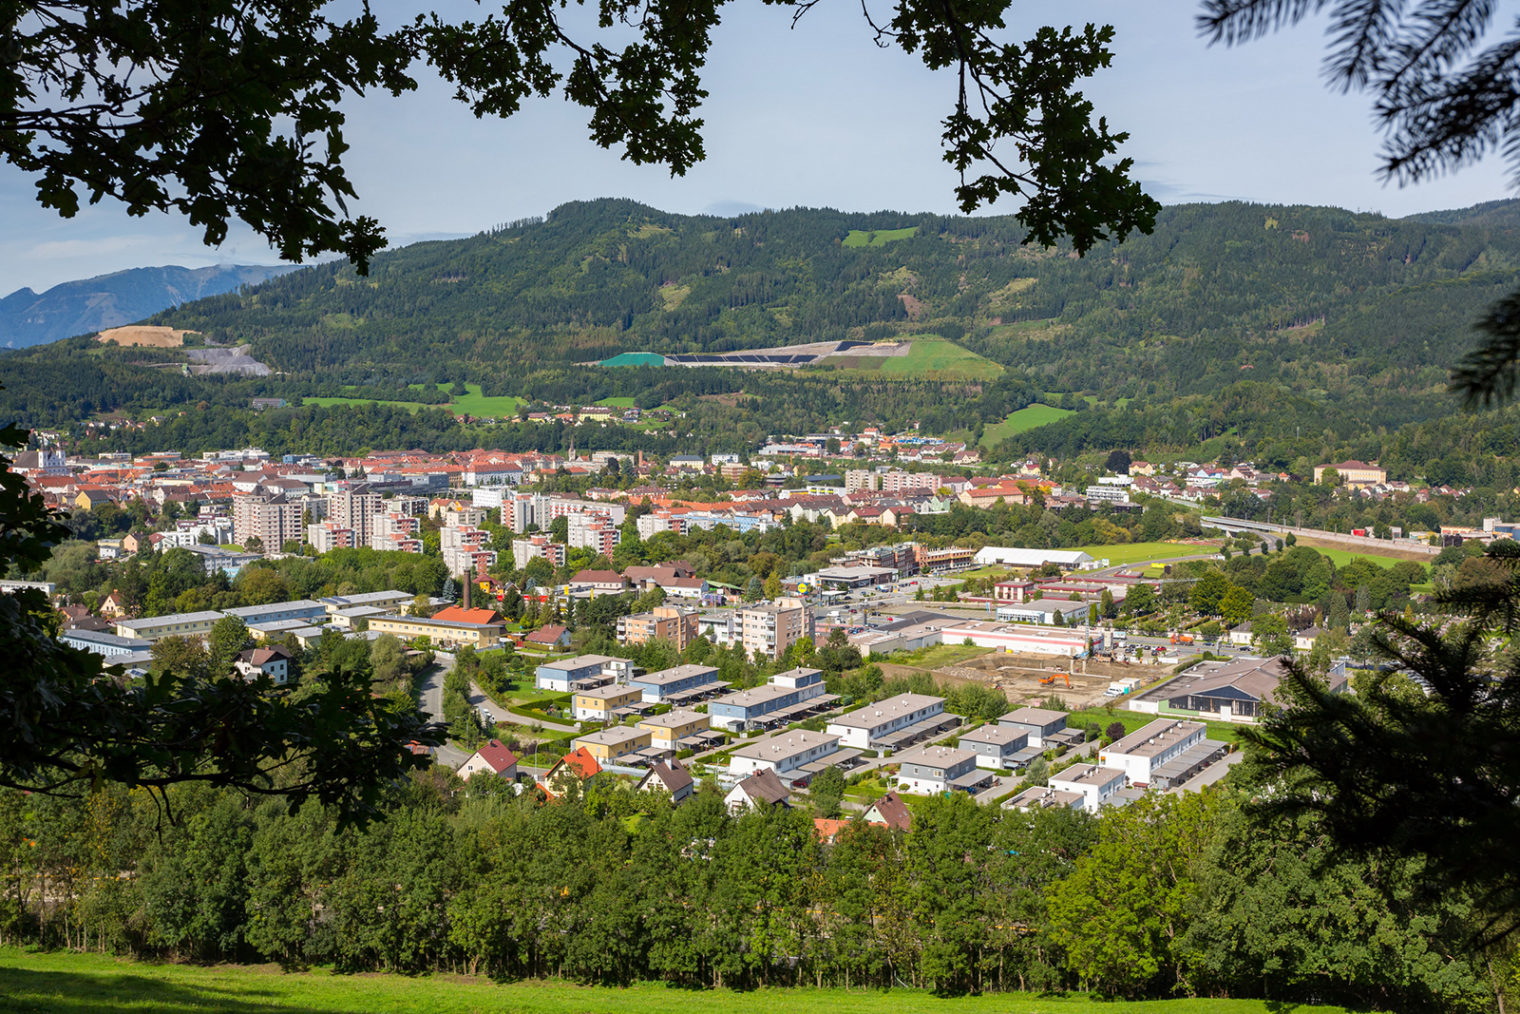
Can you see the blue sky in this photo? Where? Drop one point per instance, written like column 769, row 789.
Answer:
column 816, row 116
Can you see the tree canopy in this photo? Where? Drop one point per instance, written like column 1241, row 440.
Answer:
column 235, row 110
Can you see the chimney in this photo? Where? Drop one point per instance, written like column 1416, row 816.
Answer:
column 467, row 593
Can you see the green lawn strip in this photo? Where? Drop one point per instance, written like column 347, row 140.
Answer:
column 1027, row 418
column 1141, row 552
column 938, row 655
column 1341, row 557
column 618, row 402
column 96, row 984
column 1226, row 732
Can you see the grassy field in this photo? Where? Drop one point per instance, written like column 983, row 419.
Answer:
column 1141, row 552
column 1027, row 418
column 939, row 359
column 878, row 237
column 1225, row 732
column 1341, row 557
column 618, row 402
column 93, row 984
column 476, row 404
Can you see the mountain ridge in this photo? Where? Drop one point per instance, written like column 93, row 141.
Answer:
column 93, row 304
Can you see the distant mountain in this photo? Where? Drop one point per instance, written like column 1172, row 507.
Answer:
column 124, row 297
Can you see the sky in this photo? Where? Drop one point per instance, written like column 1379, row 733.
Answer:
column 815, row 116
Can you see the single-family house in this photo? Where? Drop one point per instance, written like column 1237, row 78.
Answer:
column 492, row 758
column 759, row 791
column 669, row 777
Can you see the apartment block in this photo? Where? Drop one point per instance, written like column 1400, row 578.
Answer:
column 537, row 547
column 271, row 518
column 771, row 628
column 675, row 624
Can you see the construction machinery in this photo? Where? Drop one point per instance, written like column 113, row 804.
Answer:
column 1046, row 681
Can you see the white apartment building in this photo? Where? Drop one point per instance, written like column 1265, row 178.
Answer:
column 783, row 753
column 771, row 628
column 864, row 727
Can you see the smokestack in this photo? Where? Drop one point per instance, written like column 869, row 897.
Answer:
column 468, row 581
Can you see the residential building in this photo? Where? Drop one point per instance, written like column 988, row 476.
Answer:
column 891, row 811
column 575, row 767
column 932, row 770
column 787, row 697
column 579, row 673
column 770, row 629
column 668, row 730
column 1140, row 753
column 1040, row 797
column 256, row 662
column 676, row 624
column 299, row 609
column 679, row 685
column 1095, row 785
column 884, row 723
column 151, row 628
column 1040, row 723
column 1355, row 474
column 535, row 547
column 669, row 777
column 784, row 753
column 999, row 747
column 272, row 519
column 354, row 507
column 615, row 745
column 325, row 536
column 591, row 583
column 595, row 532
column 442, row 633
column 599, row 703
column 111, row 645
column 493, row 758
column 759, row 791
column 464, row 550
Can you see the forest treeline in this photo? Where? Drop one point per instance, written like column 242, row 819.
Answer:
column 1281, row 333
column 1170, row 895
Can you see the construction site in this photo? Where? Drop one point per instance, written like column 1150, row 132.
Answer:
column 1027, row 679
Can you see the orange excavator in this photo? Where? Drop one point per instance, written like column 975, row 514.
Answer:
column 1046, row 681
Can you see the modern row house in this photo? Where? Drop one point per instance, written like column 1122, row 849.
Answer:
column 580, row 673
column 679, row 685
column 999, row 747
column 932, row 770
column 787, row 754
column 1150, row 747
column 787, row 697
column 892, row 723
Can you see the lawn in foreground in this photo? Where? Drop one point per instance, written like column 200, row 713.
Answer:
column 90, row 983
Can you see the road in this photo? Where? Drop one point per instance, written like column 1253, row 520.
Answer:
column 500, row 715
column 430, row 700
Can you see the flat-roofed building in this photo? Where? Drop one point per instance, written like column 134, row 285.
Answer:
column 103, row 643
column 931, row 770
column 391, row 601
column 770, row 629
column 675, row 624
column 1040, row 723
column 866, row 727
column 442, row 633
column 598, row 703
column 581, row 672
column 679, row 684
column 669, row 729
column 999, row 746
column 1042, row 797
column 1149, row 747
column 300, row 609
column 788, row 696
column 1096, row 785
column 151, row 628
column 783, row 753
column 610, row 746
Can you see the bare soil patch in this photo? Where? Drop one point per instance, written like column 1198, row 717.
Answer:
column 143, row 334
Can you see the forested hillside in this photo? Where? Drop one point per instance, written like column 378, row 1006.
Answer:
column 1290, row 331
